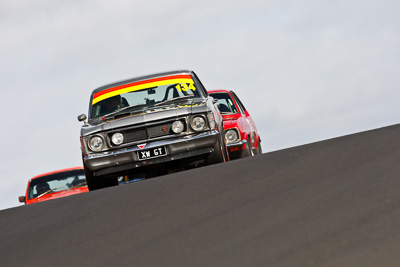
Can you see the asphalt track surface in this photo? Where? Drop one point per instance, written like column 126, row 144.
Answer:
column 330, row 203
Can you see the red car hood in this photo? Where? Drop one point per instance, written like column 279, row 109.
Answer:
column 59, row 194
column 229, row 121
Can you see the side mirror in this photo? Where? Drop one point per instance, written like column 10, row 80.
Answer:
column 83, row 118
column 21, row 199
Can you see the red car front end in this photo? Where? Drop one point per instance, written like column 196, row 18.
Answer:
column 241, row 134
column 56, row 184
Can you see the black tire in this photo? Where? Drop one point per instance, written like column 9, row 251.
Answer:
column 90, row 180
column 225, row 148
column 258, row 151
column 98, row 182
column 248, row 151
column 217, row 156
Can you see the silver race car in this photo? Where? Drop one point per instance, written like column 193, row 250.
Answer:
column 149, row 126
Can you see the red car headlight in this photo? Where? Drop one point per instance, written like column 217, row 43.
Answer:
column 231, row 136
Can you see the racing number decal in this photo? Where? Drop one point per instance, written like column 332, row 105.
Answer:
column 185, row 86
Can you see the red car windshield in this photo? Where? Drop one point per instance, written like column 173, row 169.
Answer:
column 226, row 104
column 56, row 182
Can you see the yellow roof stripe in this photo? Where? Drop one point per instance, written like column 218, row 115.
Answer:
column 140, row 87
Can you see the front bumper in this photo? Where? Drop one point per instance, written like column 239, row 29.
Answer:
column 124, row 159
column 236, row 150
column 239, row 144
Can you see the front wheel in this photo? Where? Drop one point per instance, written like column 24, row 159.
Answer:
column 248, row 151
column 224, row 147
column 258, row 151
column 98, row 182
column 218, row 155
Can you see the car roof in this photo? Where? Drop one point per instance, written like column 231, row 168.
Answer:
column 219, row 91
column 58, row 171
column 141, row 78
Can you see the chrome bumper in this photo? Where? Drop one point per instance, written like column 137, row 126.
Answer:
column 240, row 143
column 202, row 143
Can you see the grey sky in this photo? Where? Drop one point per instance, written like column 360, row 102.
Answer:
column 305, row 70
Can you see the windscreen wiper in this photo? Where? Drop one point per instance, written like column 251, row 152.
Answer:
column 173, row 99
column 49, row 191
column 78, row 185
column 119, row 111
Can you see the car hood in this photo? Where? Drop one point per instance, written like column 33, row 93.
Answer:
column 169, row 110
column 229, row 121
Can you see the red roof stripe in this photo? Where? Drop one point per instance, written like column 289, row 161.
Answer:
column 139, row 83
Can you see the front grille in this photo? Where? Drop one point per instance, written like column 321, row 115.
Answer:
column 134, row 135
column 142, row 134
column 159, row 130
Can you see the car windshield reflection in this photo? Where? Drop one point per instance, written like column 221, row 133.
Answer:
column 56, row 182
column 142, row 98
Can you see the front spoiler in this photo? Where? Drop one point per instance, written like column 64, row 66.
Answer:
column 126, row 158
column 237, row 144
column 153, row 161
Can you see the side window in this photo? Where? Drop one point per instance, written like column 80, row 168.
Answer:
column 240, row 104
column 241, row 107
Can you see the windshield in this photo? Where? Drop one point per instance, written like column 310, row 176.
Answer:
column 56, row 182
column 143, row 94
column 226, row 104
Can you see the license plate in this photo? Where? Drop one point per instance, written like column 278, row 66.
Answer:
column 152, row 153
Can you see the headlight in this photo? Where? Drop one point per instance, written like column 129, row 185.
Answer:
column 198, row 124
column 231, row 136
column 96, row 143
column 177, row 127
column 117, row 138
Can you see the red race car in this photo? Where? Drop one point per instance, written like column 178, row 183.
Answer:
column 55, row 184
column 241, row 134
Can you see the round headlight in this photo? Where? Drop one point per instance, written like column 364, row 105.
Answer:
column 117, row 138
column 177, row 127
column 96, row 143
column 231, row 136
column 198, row 124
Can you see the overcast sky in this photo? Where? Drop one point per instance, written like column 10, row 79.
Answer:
column 306, row 70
